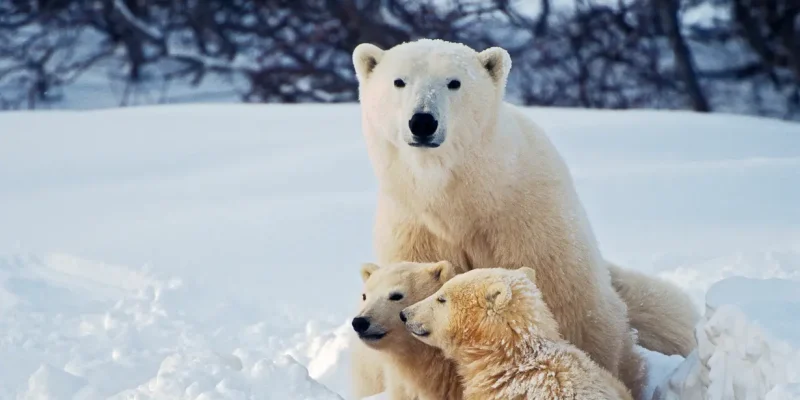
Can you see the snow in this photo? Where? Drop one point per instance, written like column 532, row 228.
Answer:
column 736, row 357
column 772, row 303
column 211, row 251
column 785, row 392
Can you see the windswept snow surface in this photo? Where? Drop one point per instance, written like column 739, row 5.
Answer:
column 212, row 251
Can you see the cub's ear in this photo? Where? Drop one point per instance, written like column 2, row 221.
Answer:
column 442, row 271
column 367, row 269
column 498, row 295
column 365, row 58
column 529, row 272
column 497, row 63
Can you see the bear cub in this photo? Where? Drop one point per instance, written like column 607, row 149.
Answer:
column 505, row 341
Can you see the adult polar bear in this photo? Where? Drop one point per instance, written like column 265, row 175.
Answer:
column 466, row 177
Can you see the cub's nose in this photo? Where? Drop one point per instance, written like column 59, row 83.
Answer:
column 423, row 125
column 403, row 316
column 360, row 324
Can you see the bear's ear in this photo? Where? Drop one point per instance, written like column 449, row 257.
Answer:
column 367, row 269
column 365, row 58
column 530, row 273
column 497, row 63
column 442, row 271
column 498, row 294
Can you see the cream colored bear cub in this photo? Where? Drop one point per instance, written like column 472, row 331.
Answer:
column 504, row 340
column 408, row 368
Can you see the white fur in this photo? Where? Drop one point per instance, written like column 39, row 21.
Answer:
column 495, row 193
column 405, row 367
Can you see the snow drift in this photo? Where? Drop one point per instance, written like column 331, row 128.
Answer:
column 212, row 251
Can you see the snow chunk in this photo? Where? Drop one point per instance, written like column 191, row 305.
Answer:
column 772, row 303
column 209, row 375
column 737, row 357
column 784, row 392
column 51, row 383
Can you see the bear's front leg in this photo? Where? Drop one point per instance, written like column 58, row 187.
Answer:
column 367, row 370
column 396, row 389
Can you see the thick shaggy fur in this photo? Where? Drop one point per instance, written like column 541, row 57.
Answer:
column 658, row 310
column 495, row 192
column 505, row 341
column 409, row 368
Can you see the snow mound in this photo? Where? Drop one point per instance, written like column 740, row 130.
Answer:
column 744, row 362
column 784, row 392
column 698, row 274
column 243, row 375
column 771, row 303
column 51, row 383
column 160, row 331
column 327, row 355
column 739, row 357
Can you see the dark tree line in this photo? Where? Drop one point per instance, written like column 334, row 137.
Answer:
column 738, row 56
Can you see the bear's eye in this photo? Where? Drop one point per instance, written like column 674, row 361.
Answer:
column 454, row 84
column 399, row 83
column 440, row 299
column 396, row 297
column 363, row 297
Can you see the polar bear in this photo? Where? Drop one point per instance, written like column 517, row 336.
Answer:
column 409, row 368
column 464, row 176
column 505, row 342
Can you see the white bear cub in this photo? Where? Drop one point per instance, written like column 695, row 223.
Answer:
column 389, row 357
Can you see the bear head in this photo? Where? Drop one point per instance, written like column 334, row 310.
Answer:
column 430, row 94
column 483, row 308
column 389, row 289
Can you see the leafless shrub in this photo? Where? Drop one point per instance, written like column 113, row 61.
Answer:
column 586, row 53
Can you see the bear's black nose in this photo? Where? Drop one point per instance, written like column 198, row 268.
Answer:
column 402, row 316
column 423, row 125
column 360, row 324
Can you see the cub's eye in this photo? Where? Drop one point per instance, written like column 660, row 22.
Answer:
column 399, row 83
column 363, row 297
column 454, row 84
column 440, row 299
column 396, row 297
